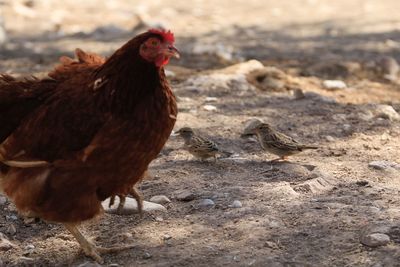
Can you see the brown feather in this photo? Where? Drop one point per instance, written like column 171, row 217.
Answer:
column 100, row 142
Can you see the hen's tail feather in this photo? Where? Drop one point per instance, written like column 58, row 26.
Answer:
column 26, row 164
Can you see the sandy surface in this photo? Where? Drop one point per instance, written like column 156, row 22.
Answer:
column 311, row 211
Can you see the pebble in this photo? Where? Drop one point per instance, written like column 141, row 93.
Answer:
column 114, row 265
column 160, row 199
column 167, row 237
column 130, row 206
column 185, row 195
column 387, row 112
column 375, row 239
column 236, row 204
column 206, row 203
column 5, row 244
column 3, row 200
column 298, row 94
column 147, row 255
column 159, row 219
column 384, row 165
column 26, row 260
column 11, row 229
column 30, row 246
column 211, row 99
column 330, row 138
column 209, row 107
column 334, row 84
column 232, row 78
column 388, row 68
column 346, row 127
column 89, row 264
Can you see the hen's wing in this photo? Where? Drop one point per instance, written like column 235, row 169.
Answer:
column 18, row 99
column 66, row 122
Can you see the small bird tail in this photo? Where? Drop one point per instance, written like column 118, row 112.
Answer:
column 225, row 154
column 309, row 147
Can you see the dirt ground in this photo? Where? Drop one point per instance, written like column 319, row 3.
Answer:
column 311, row 211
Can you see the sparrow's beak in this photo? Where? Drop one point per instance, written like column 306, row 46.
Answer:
column 171, row 51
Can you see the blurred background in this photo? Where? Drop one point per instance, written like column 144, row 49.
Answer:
column 325, row 72
column 211, row 33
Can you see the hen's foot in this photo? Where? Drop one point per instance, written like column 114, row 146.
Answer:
column 90, row 249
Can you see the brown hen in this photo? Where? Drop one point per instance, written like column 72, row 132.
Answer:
column 87, row 133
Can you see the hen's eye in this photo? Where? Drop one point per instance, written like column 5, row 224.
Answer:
column 154, row 43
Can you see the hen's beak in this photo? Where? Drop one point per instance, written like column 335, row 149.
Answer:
column 171, row 51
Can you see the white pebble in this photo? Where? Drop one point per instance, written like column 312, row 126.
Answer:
column 206, row 203
column 160, row 199
column 334, row 84
column 209, row 107
column 375, row 240
column 211, row 99
column 236, row 204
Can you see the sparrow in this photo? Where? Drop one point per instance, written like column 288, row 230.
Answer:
column 278, row 143
column 199, row 146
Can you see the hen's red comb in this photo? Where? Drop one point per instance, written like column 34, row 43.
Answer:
column 166, row 35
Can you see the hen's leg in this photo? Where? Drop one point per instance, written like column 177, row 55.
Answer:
column 90, row 249
column 136, row 195
column 121, row 204
column 139, row 199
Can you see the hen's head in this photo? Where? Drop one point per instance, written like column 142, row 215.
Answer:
column 158, row 47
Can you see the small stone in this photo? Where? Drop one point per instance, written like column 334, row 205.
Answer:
column 3, row 200
column 5, row 244
column 159, row 219
column 330, row 138
column 27, row 260
column 334, row 84
column 388, row 68
column 13, row 217
column 387, row 112
column 29, row 220
column 383, row 165
column 346, row 127
column 298, row 94
column 185, row 195
column 160, row 199
column 130, row 206
column 29, row 246
column 375, row 239
column 126, row 236
column 89, row 264
column 11, row 229
column 114, row 265
column 209, row 107
column 167, row 237
column 211, row 99
column 236, row 204
column 206, row 203
column 147, row 255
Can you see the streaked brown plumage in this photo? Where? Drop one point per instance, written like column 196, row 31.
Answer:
column 199, row 146
column 87, row 133
column 278, row 143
